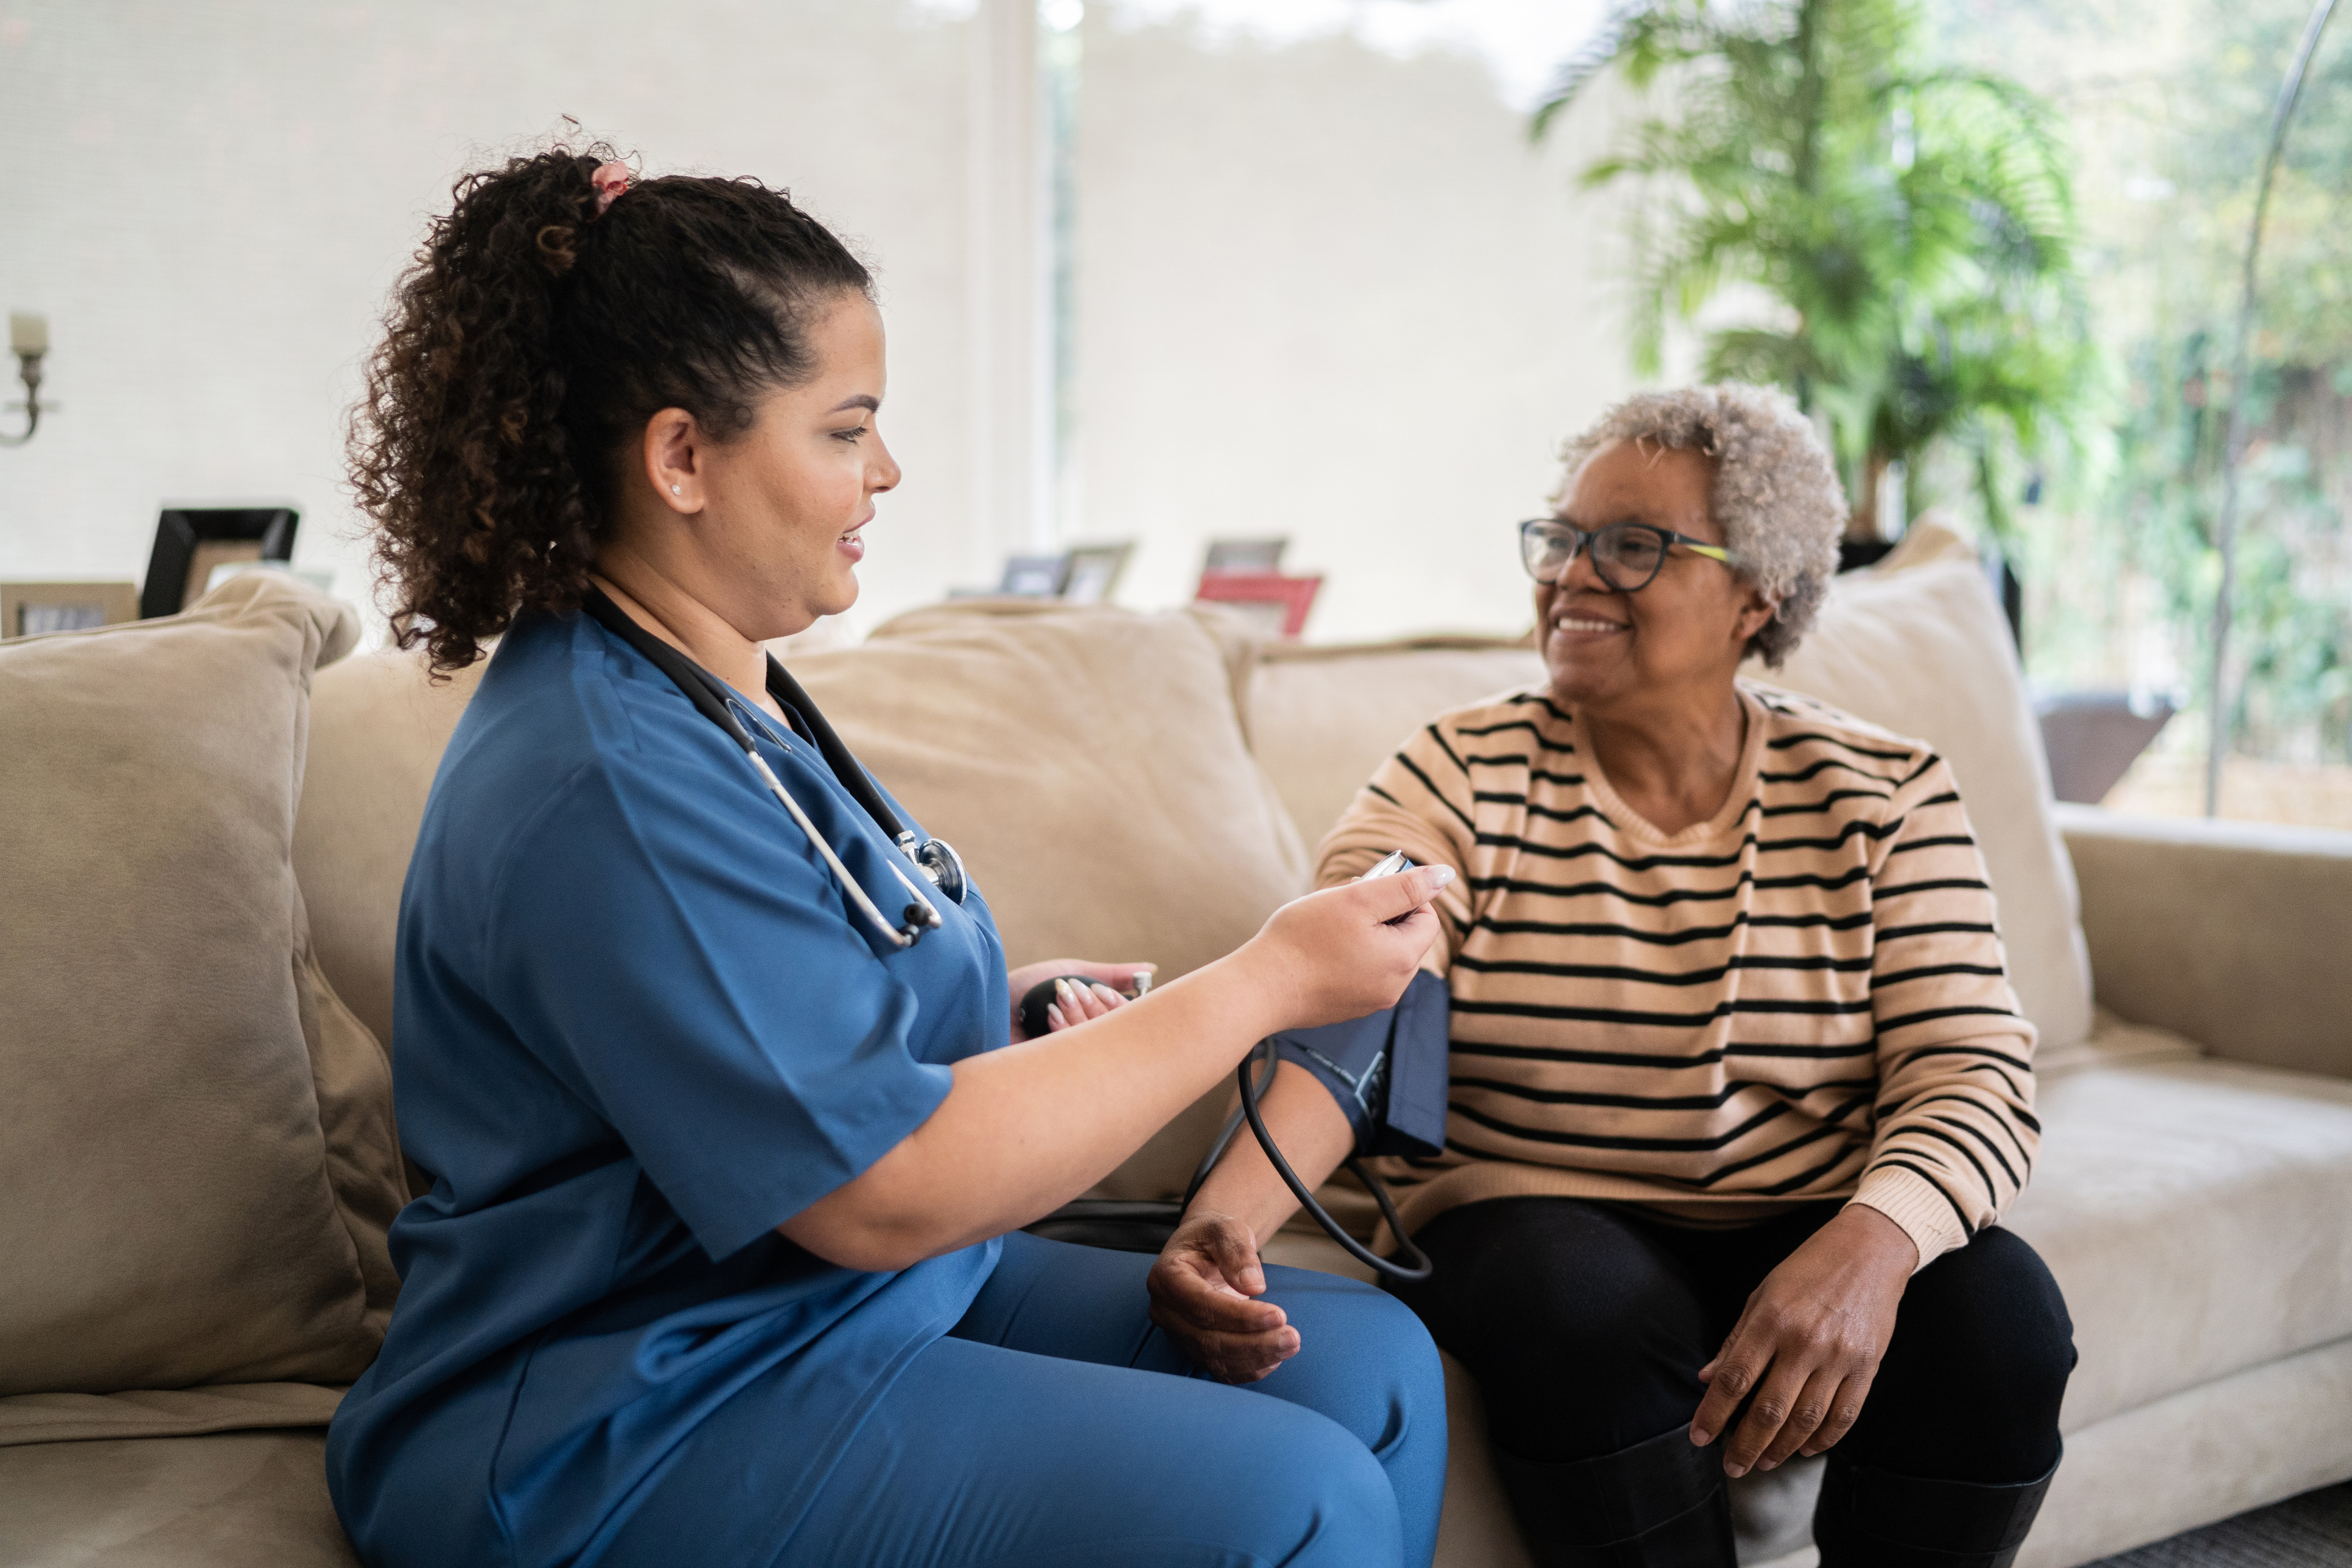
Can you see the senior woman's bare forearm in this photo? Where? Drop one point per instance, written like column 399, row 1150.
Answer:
column 1025, row 1128
column 1313, row 1136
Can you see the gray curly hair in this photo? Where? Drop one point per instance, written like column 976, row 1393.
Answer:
column 1777, row 496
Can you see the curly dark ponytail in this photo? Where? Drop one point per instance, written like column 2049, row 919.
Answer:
column 530, row 339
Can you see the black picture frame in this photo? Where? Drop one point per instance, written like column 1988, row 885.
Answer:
column 182, row 531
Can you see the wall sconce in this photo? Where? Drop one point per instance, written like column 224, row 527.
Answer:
column 28, row 339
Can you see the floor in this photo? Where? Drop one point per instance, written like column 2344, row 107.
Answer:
column 2313, row 1530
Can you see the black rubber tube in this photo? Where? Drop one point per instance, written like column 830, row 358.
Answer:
column 1416, row 1269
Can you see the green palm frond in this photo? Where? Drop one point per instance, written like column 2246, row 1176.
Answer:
column 1916, row 221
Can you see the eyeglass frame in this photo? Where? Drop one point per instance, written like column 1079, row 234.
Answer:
column 1584, row 541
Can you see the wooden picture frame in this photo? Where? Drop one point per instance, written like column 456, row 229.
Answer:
column 41, row 609
column 1278, row 604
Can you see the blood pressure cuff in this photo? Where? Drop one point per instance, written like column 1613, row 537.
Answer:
column 1387, row 1071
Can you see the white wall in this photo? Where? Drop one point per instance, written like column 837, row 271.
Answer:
column 1327, row 290
column 1325, row 287
column 211, row 201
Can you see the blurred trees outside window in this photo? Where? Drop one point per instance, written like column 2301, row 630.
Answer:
column 2169, row 107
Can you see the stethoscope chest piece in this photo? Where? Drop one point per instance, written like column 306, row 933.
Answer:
column 940, row 865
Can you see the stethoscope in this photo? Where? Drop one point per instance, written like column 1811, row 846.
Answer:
column 934, row 859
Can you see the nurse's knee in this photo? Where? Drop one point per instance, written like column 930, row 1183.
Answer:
column 1297, row 1489
column 1372, row 1365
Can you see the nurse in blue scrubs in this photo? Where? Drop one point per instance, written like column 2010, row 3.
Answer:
column 721, row 1262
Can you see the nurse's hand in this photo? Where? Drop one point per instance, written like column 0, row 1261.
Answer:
column 1345, row 950
column 1078, row 1006
column 1202, row 1288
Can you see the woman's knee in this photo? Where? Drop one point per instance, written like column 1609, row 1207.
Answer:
column 1992, row 1314
column 1971, row 1384
column 1582, row 1337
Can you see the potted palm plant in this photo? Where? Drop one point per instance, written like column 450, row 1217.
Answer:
column 1912, row 226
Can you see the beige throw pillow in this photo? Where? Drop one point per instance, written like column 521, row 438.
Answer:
column 197, row 1159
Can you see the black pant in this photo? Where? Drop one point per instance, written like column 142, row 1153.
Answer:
column 1586, row 1324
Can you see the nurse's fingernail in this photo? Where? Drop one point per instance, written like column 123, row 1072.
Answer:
column 1063, row 994
column 1053, row 1016
column 1110, row 996
column 1439, row 876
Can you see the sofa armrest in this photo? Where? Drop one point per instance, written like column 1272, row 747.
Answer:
column 2236, row 934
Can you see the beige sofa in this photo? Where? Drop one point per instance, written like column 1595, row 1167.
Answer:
column 205, row 850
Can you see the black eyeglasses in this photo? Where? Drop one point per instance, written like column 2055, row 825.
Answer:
column 1627, row 555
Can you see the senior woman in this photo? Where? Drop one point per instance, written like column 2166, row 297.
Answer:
column 711, row 1053
column 1739, row 1088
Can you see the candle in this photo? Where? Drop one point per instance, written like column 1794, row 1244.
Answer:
column 28, row 334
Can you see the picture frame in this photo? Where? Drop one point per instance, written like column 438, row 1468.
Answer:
column 1274, row 603
column 1244, row 557
column 190, row 542
column 1091, row 571
column 1033, row 576
column 41, row 609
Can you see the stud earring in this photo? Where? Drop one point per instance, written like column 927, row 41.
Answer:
column 675, row 491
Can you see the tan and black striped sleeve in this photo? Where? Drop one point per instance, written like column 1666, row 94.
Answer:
column 1954, row 1136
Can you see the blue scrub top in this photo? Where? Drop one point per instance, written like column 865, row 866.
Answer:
column 636, row 1026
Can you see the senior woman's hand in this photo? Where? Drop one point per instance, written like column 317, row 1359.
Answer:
column 1809, row 1343
column 1201, row 1288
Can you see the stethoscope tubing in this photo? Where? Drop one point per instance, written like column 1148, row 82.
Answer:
column 849, row 883
column 703, row 689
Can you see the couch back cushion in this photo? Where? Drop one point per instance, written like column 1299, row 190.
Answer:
column 1921, row 651
column 196, row 1157
column 378, row 728
column 1090, row 765
column 1322, row 719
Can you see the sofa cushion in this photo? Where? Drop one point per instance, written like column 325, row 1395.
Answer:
column 1090, row 765
column 2197, row 1215
column 1321, row 719
column 378, row 728
column 230, row 1500
column 1087, row 764
column 197, row 1163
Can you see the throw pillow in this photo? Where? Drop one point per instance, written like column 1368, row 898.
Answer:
column 197, row 1163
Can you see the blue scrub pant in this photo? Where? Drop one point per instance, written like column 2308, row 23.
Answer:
column 1056, row 1426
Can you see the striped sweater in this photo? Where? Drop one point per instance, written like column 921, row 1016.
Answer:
column 1804, row 998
